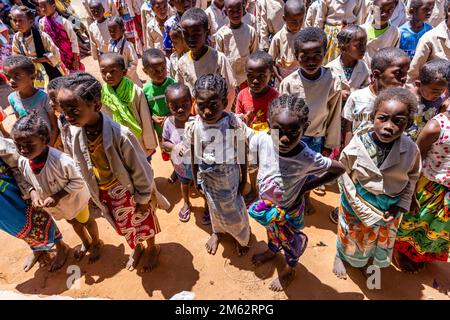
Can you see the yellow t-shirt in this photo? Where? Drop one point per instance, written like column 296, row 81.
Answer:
column 101, row 168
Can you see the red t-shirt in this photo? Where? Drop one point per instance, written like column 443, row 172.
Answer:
column 256, row 108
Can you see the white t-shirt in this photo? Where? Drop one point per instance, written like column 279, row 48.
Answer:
column 359, row 107
column 280, row 179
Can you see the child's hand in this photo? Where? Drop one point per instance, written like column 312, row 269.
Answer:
column 345, row 95
column 36, row 200
column 391, row 213
column 50, row 202
column 141, row 208
column 158, row 120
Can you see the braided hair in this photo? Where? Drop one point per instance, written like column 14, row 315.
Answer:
column 19, row 61
column 56, row 83
column 31, row 125
column 214, row 83
column 292, row 104
column 23, row 9
column 84, row 85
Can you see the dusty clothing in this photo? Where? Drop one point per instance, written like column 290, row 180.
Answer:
column 282, row 51
column 216, row 19
column 237, row 45
column 153, row 35
column 25, row 46
column 359, row 75
column 398, row 18
column 213, row 62
column 324, row 98
column 334, row 12
column 390, row 38
column 99, row 36
column 269, row 20
column 359, row 107
column 434, row 44
column 59, row 173
column 311, row 15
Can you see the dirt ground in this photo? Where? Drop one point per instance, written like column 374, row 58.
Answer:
column 185, row 265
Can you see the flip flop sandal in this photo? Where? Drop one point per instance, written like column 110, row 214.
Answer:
column 334, row 215
column 206, row 219
column 184, row 215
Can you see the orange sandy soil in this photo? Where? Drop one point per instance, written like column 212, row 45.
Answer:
column 184, row 263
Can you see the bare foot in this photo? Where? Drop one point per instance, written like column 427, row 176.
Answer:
column 241, row 250
column 283, row 280
column 61, row 256
column 404, row 263
column 95, row 251
column 81, row 252
column 212, row 244
column 134, row 257
column 309, row 209
column 151, row 259
column 261, row 258
column 31, row 260
column 339, row 268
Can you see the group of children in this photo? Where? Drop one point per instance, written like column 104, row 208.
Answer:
column 333, row 100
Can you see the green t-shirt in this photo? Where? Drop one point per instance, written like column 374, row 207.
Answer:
column 157, row 101
column 373, row 33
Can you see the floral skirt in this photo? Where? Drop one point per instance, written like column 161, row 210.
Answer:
column 332, row 44
column 425, row 237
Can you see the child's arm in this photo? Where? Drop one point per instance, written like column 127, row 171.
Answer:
column 423, row 52
column 148, row 132
column 322, row 13
column 244, row 170
column 3, row 131
column 274, row 51
column 348, row 133
column 94, row 45
column 132, row 58
column 73, row 42
column 263, row 28
column 347, row 114
column 54, row 129
column 336, row 169
column 52, row 51
column 429, row 134
column 332, row 134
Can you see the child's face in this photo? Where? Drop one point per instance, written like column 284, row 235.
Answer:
column 115, row 31
column 423, row 13
column 390, row 120
column 183, row 5
column 235, row 11
column 210, row 106
column 294, row 22
column 288, row 128
column 194, row 34
column 29, row 146
column 112, row 72
column 77, row 111
column 161, row 8
column 178, row 44
column 18, row 78
column 432, row 91
column 98, row 12
column 46, row 8
column 52, row 94
column 356, row 48
column 310, row 56
column 395, row 75
column 383, row 10
column 180, row 104
column 21, row 21
column 258, row 75
column 156, row 69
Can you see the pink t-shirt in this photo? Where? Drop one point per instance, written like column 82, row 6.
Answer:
column 254, row 109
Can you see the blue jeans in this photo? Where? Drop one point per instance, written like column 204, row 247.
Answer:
column 314, row 143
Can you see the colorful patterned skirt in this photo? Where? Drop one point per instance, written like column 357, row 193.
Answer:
column 358, row 243
column 283, row 229
column 35, row 226
column 135, row 228
column 332, row 44
column 425, row 237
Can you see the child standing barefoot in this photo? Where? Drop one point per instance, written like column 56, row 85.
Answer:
column 215, row 162
column 285, row 164
column 33, row 225
column 114, row 166
column 382, row 167
column 56, row 185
